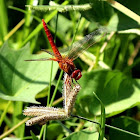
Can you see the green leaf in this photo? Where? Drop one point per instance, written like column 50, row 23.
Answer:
column 103, row 13
column 3, row 106
column 21, row 80
column 86, row 134
column 117, row 92
column 62, row 21
column 120, row 21
column 55, row 129
column 124, row 19
column 34, row 136
column 124, row 123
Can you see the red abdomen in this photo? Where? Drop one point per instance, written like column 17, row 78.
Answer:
column 50, row 38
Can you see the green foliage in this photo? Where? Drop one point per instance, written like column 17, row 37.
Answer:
column 55, row 129
column 3, row 20
column 125, row 123
column 33, row 136
column 102, row 16
column 110, row 69
column 23, row 80
column 112, row 87
column 88, row 134
column 114, row 19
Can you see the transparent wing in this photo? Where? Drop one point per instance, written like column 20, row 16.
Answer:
column 41, row 59
column 49, row 52
column 46, row 59
column 90, row 39
column 57, row 56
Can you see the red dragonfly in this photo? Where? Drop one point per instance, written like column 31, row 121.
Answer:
column 66, row 62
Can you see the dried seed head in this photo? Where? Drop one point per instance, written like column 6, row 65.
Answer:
column 35, row 120
column 39, row 111
column 44, row 114
column 67, row 86
column 44, row 118
column 71, row 100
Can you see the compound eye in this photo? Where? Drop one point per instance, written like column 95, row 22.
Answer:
column 76, row 74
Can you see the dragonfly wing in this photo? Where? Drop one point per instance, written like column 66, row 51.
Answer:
column 51, row 53
column 46, row 59
column 43, row 59
column 90, row 39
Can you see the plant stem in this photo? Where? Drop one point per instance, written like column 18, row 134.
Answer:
column 102, row 130
column 4, row 113
column 79, row 117
column 14, row 29
column 48, row 99
column 109, row 126
column 41, row 132
column 13, row 129
column 27, row 20
column 124, row 10
column 124, row 131
column 25, row 12
column 54, row 94
column 44, row 134
column 76, row 30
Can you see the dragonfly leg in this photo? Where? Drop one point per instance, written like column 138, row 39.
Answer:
column 75, row 81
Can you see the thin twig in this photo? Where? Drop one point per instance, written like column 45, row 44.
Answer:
column 134, row 54
column 109, row 126
column 105, row 44
column 79, row 117
column 13, row 128
column 124, row 10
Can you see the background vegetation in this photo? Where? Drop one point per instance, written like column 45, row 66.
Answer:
column 110, row 69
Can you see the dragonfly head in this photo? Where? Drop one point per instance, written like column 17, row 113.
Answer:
column 76, row 74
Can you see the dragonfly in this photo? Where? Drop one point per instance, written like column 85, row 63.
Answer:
column 66, row 62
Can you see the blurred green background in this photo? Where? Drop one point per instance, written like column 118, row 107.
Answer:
column 110, row 68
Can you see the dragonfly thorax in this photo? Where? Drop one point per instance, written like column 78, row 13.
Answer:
column 68, row 66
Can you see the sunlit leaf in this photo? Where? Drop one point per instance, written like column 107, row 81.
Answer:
column 21, row 80
column 87, row 134
column 117, row 92
column 55, row 129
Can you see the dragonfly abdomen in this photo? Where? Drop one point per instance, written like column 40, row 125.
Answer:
column 50, row 38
